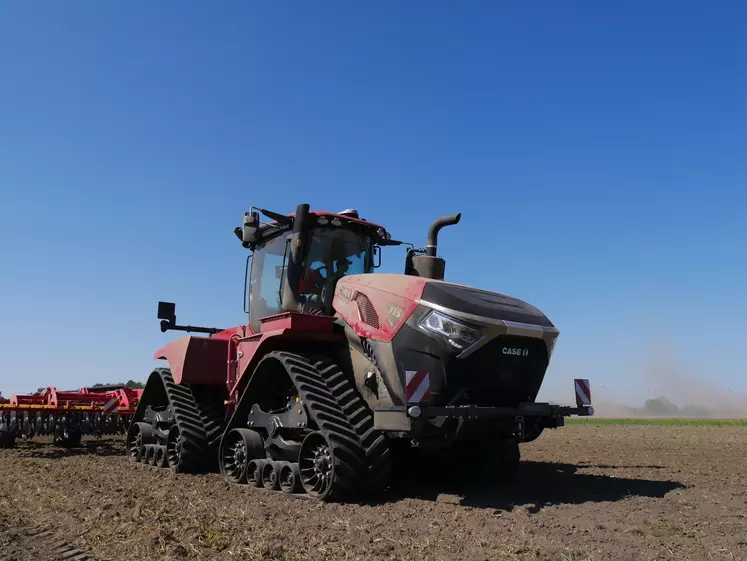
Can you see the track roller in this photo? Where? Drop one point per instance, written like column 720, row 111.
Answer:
column 147, row 453
column 150, row 454
column 270, row 475
column 138, row 435
column 254, row 472
column 237, row 449
column 290, row 478
column 161, row 457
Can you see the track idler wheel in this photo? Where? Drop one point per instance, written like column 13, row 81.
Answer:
column 254, row 472
column 174, row 448
column 270, row 476
column 316, row 463
column 290, row 478
column 138, row 435
column 237, row 449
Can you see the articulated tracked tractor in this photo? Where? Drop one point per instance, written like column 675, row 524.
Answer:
column 340, row 371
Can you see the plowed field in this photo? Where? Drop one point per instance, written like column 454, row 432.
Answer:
column 586, row 492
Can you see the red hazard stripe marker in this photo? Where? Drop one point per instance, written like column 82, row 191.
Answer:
column 417, row 386
column 111, row 405
column 583, row 392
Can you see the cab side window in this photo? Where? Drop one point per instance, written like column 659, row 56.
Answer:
column 268, row 271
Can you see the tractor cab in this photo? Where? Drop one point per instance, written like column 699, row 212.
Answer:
column 297, row 259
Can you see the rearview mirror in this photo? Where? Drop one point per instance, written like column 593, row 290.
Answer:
column 376, row 257
column 167, row 315
column 250, row 230
column 167, row 311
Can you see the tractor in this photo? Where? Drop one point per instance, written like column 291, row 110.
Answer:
column 341, row 372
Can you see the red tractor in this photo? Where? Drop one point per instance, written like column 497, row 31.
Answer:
column 339, row 369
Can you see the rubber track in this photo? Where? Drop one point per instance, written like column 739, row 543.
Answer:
column 501, row 461
column 315, row 393
column 189, row 419
column 212, row 411
column 378, row 455
column 340, row 393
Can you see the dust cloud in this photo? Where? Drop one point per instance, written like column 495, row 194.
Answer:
column 676, row 391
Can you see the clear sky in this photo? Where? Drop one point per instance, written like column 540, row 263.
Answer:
column 596, row 151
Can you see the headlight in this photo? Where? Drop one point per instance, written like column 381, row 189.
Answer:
column 457, row 334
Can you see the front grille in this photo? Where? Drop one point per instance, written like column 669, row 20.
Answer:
column 367, row 311
column 505, row 371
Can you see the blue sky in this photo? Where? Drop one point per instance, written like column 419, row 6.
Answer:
column 595, row 149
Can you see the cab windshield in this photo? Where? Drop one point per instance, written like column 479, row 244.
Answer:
column 332, row 253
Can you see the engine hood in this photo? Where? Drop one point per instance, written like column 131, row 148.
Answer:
column 482, row 303
column 378, row 305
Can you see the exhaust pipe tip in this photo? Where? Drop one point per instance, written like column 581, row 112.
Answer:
column 432, row 244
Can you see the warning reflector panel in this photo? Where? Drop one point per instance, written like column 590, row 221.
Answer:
column 111, row 405
column 583, row 392
column 418, row 386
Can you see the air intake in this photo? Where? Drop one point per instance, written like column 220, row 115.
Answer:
column 366, row 310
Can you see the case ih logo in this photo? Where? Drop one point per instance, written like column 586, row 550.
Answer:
column 515, row 352
column 347, row 293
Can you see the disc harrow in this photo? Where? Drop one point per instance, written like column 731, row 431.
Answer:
column 66, row 416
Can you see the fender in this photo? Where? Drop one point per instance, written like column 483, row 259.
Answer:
column 286, row 330
column 199, row 360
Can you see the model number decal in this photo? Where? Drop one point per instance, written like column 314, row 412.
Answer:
column 515, row 352
column 395, row 313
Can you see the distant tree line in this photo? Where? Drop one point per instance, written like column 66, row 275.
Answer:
column 129, row 383
column 662, row 407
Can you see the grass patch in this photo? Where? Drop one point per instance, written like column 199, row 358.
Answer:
column 213, row 537
column 655, row 421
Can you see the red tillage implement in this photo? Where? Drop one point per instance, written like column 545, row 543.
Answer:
column 67, row 415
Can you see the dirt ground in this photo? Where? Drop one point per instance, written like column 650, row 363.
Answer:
column 585, row 493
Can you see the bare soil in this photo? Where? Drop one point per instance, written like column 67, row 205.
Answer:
column 585, row 493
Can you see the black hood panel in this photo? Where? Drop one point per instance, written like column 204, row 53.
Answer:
column 483, row 303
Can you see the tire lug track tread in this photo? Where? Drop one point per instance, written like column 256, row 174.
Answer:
column 336, row 407
column 58, row 548
column 198, row 420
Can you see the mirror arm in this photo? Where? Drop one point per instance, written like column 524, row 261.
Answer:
column 167, row 315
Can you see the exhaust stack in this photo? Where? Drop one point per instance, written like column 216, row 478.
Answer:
column 295, row 253
column 430, row 266
column 432, row 245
